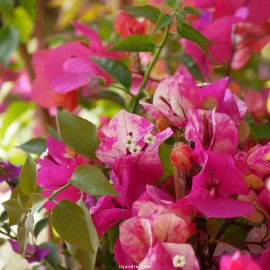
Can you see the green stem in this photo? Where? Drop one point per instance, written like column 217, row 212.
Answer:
column 10, row 236
column 120, row 88
column 226, row 223
column 147, row 74
column 58, row 191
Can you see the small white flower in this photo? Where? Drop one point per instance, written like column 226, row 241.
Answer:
column 44, row 154
column 135, row 149
column 150, row 139
column 38, row 166
column 179, row 261
column 129, row 141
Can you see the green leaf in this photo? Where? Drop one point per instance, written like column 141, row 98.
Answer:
column 235, row 241
column 51, row 258
column 37, row 202
column 28, row 177
column 79, row 134
column 53, row 133
column 14, row 111
column 212, row 227
column 12, row 220
column 116, row 68
column 2, row 241
column 41, row 225
column 92, row 180
column 22, row 21
column 6, row 6
column 10, row 38
column 164, row 152
column 68, row 219
column 34, row 146
column 206, row 51
column 266, row 51
column 201, row 226
column 179, row 18
column 262, row 131
column 84, row 258
column 146, row 11
column 18, row 192
column 3, row 216
column 29, row 223
column 163, row 20
column 171, row 3
column 22, row 234
column 190, row 10
column 135, row 43
column 30, row 7
column 190, row 33
column 190, row 65
column 113, row 234
column 13, row 207
column 108, row 95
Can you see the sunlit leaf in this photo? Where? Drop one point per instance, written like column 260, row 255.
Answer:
column 146, row 11
column 21, row 19
column 79, row 134
column 30, row 7
column 135, row 43
column 14, row 111
column 28, row 177
column 68, row 219
column 266, row 51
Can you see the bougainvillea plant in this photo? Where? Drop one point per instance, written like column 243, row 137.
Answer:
column 178, row 176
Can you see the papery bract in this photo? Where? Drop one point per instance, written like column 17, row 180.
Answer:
column 8, row 171
column 161, row 257
column 127, row 26
column 32, row 253
column 212, row 188
column 108, row 211
column 238, row 262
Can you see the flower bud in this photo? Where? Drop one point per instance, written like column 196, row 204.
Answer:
column 70, row 153
column 163, row 123
column 252, row 181
column 181, row 156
